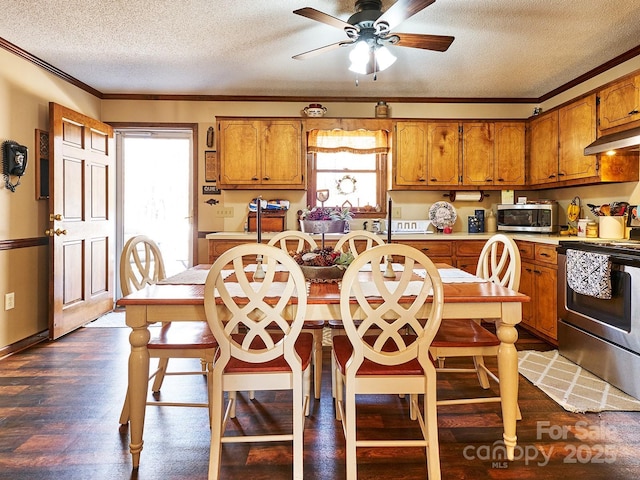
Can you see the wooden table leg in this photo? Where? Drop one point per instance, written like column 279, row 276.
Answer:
column 508, row 371
column 136, row 318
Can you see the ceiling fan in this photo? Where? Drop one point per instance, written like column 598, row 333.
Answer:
column 369, row 30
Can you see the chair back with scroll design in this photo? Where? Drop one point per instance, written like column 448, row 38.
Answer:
column 141, row 264
column 300, row 240
column 499, row 262
column 377, row 356
column 271, row 353
column 358, row 241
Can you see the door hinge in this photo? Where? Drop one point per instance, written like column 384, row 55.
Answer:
column 597, row 100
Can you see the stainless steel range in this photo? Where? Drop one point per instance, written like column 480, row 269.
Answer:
column 603, row 334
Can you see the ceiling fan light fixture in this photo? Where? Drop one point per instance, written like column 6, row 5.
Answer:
column 384, row 58
column 360, row 56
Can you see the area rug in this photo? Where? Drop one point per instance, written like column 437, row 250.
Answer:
column 572, row 387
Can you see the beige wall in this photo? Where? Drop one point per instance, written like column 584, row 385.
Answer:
column 25, row 93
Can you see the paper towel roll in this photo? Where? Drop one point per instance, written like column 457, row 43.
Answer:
column 466, row 196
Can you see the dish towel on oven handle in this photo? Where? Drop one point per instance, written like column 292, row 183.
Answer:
column 589, row 273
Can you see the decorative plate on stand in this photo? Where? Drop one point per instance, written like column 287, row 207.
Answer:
column 442, row 214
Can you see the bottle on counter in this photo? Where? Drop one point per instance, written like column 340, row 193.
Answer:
column 490, row 223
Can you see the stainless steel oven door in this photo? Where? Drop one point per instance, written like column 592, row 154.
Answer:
column 616, row 320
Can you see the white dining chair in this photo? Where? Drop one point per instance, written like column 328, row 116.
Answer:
column 499, row 263
column 271, row 353
column 377, row 356
column 141, row 265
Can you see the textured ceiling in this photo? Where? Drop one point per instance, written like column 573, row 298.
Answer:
column 502, row 48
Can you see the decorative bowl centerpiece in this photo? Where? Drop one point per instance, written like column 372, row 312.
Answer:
column 323, row 265
column 324, row 220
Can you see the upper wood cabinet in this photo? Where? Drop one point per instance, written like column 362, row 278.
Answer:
column 410, row 156
column 543, row 148
column 509, row 148
column 261, row 154
column 619, row 103
column 477, row 153
column 493, row 153
column 442, row 153
column 426, row 154
column 576, row 130
column 556, row 142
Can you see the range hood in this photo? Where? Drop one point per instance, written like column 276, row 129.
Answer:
column 629, row 140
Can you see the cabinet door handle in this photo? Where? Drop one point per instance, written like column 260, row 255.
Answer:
column 254, row 178
column 633, row 112
column 434, row 179
column 501, row 179
column 266, row 178
column 489, row 180
column 424, row 249
column 542, row 254
column 561, row 174
column 422, row 179
column 529, row 270
column 553, row 175
column 537, row 271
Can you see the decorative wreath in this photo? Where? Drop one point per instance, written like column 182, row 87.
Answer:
column 346, row 189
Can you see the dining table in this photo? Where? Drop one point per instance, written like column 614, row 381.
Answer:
column 181, row 298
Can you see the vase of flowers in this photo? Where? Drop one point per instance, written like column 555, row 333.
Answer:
column 324, row 220
column 323, row 264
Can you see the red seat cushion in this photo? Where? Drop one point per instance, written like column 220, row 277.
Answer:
column 342, row 350
column 303, row 346
column 182, row 335
column 462, row 333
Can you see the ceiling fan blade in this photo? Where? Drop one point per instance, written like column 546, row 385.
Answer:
column 318, row 51
column 401, row 10
column 319, row 16
column 439, row 43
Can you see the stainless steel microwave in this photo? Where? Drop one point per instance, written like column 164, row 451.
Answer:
column 528, row 217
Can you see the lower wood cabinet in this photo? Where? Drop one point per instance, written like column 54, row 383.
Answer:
column 539, row 280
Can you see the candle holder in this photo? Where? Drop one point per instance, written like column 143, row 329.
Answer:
column 388, row 272
column 259, row 274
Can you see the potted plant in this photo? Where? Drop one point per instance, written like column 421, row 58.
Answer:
column 324, row 219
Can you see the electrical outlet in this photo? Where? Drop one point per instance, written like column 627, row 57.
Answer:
column 9, row 300
column 396, row 212
column 224, row 212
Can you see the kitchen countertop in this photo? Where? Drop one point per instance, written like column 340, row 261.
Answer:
column 529, row 237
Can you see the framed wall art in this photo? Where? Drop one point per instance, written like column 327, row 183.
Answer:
column 210, row 166
column 42, row 164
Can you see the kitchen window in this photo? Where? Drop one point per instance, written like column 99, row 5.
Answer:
column 351, row 165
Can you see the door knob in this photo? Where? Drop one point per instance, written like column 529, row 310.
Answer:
column 57, row 232
column 56, row 216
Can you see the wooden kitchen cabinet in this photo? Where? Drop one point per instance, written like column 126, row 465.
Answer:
column 467, row 253
column 438, row 251
column 543, row 149
column 509, row 153
column 442, row 153
column 556, row 150
column 410, row 159
column 539, row 280
column 478, row 153
column 263, row 153
column 576, row 130
column 620, row 103
column 493, row 153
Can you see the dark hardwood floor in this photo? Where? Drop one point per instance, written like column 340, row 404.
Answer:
column 60, row 403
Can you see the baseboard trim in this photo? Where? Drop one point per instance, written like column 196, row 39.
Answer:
column 24, row 344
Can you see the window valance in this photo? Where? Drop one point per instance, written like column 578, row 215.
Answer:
column 353, row 141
